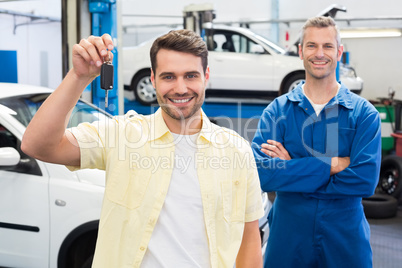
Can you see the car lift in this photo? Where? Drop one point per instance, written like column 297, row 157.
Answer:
column 104, row 20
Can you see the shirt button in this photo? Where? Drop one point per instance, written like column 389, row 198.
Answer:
column 142, row 248
column 237, row 182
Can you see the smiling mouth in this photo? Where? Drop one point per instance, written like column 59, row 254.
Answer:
column 181, row 100
column 319, row 62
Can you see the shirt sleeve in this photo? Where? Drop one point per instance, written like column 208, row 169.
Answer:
column 91, row 138
column 360, row 178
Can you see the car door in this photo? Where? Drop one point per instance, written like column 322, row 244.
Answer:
column 24, row 208
column 234, row 65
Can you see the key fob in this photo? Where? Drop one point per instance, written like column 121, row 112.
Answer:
column 107, row 76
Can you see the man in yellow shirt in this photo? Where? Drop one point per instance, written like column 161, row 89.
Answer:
column 180, row 191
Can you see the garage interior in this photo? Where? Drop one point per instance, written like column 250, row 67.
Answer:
column 37, row 37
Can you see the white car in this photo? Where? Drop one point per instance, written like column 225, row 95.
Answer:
column 242, row 63
column 49, row 215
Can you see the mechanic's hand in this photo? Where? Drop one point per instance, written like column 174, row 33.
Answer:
column 275, row 149
column 87, row 56
column 338, row 164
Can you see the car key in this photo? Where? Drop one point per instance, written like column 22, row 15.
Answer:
column 106, row 77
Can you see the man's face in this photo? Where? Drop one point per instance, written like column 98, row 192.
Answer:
column 320, row 52
column 180, row 83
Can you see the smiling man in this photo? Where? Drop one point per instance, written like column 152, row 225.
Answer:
column 319, row 148
column 180, row 191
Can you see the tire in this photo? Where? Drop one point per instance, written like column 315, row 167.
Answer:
column 292, row 82
column 143, row 89
column 391, row 176
column 380, row 206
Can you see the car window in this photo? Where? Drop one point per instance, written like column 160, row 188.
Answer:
column 228, row 41
column 27, row 164
column 24, row 108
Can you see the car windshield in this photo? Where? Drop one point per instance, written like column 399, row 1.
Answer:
column 23, row 108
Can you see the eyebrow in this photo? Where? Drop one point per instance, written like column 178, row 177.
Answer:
column 165, row 73
column 172, row 73
column 313, row 43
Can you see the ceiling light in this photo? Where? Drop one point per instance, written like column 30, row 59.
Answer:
column 371, row 33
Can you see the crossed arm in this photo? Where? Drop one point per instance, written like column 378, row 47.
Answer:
column 355, row 174
column 275, row 149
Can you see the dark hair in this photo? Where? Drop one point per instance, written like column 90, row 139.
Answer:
column 182, row 41
column 321, row 22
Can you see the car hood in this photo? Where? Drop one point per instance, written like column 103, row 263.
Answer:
column 91, row 176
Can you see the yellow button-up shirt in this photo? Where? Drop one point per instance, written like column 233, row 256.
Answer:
column 137, row 153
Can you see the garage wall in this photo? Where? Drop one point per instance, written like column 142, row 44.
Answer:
column 38, row 46
column 171, row 12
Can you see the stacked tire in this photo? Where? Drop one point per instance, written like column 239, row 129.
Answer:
column 384, row 203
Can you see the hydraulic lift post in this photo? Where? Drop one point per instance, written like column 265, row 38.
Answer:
column 104, row 21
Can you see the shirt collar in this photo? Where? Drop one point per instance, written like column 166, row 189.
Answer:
column 343, row 97
column 158, row 127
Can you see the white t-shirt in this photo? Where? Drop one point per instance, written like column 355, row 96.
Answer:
column 179, row 238
column 318, row 107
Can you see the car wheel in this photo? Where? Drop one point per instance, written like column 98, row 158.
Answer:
column 380, row 206
column 391, row 176
column 292, row 82
column 143, row 89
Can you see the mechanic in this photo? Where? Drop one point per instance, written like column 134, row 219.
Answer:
column 174, row 195
column 319, row 148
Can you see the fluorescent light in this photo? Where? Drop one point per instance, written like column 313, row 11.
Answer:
column 371, row 33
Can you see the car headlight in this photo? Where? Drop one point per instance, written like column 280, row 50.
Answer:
column 347, row 71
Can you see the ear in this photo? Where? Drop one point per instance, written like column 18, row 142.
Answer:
column 153, row 78
column 340, row 52
column 300, row 51
column 206, row 76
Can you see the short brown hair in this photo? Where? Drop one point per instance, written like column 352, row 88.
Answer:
column 182, row 41
column 321, row 22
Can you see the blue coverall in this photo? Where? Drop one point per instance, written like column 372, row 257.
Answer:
column 317, row 220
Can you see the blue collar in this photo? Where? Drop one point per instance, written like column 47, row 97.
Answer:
column 343, row 98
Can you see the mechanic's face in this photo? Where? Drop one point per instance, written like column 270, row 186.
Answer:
column 320, row 52
column 180, row 84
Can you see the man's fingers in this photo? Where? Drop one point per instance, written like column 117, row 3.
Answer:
column 88, row 45
column 278, row 149
column 275, row 146
column 81, row 51
column 107, row 40
column 268, row 152
column 99, row 48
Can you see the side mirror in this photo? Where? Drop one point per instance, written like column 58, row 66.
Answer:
column 8, row 157
column 257, row 49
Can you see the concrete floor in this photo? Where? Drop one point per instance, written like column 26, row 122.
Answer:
column 386, row 241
